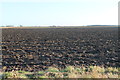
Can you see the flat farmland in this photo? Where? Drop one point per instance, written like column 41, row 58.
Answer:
column 34, row 49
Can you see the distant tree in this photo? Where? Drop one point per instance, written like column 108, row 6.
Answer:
column 53, row 26
column 21, row 26
column 2, row 26
column 9, row 25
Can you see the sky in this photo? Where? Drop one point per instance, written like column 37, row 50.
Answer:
column 58, row 12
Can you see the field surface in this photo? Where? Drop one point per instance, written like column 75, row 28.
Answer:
column 35, row 49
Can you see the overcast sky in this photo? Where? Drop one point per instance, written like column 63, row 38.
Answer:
column 58, row 12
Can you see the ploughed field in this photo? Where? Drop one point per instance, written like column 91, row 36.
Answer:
column 34, row 49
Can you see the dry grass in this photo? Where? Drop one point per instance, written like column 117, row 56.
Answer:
column 68, row 72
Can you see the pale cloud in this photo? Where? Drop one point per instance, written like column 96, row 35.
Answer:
column 109, row 17
column 59, row 0
column 37, row 0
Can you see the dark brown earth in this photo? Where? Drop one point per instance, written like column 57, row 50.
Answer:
column 38, row 48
